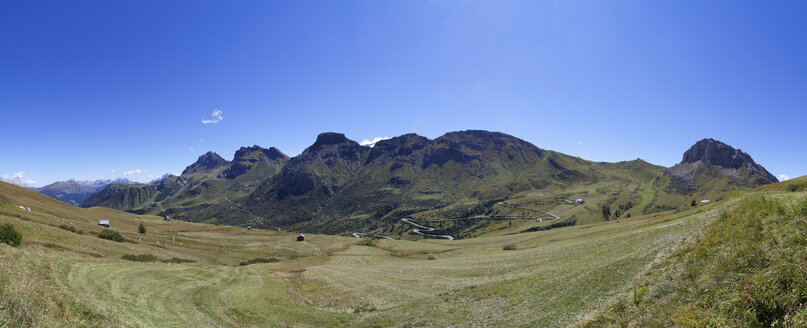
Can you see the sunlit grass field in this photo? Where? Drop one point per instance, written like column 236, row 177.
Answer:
column 551, row 278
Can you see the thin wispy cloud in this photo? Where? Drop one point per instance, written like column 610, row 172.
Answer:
column 371, row 143
column 215, row 117
column 191, row 149
column 783, row 177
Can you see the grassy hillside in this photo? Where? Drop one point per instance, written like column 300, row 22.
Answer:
column 792, row 185
column 746, row 269
column 58, row 277
column 547, row 278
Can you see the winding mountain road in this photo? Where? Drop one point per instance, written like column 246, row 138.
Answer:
column 417, row 230
column 357, row 235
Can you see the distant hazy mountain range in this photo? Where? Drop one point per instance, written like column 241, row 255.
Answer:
column 337, row 185
column 75, row 191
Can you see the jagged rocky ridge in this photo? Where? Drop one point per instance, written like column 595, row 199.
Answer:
column 337, row 185
column 207, row 181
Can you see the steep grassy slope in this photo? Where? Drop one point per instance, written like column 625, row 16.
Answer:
column 746, row 269
column 553, row 278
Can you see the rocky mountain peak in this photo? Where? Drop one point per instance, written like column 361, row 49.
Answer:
column 205, row 162
column 708, row 162
column 249, row 158
column 272, row 153
column 407, row 142
column 330, row 138
column 399, row 148
column 713, row 152
column 480, row 139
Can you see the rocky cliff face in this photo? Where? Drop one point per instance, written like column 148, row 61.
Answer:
column 713, row 152
column 711, row 164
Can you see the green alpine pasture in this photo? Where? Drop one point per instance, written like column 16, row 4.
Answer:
column 183, row 274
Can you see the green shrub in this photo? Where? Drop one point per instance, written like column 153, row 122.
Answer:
column 139, row 258
column 259, row 260
column 431, row 257
column 9, row 235
column 796, row 187
column 67, row 227
column 366, row 242
column 71, row 229
column 177, row 260
column 141, row 229
column 111, row 235
column 510, row 247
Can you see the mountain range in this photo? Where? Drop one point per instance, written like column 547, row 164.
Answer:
column 339, row 186
column 75, row 192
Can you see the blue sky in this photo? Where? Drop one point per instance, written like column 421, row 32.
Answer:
column 97, row 89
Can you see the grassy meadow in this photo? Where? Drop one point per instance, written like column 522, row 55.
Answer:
column 64, row 275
